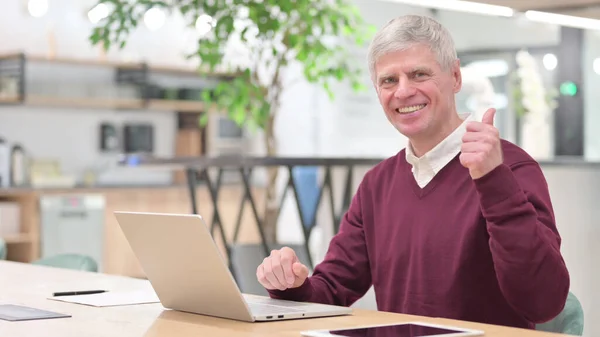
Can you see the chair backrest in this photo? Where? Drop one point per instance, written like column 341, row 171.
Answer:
column 69, row 261
column 3, row 249
column 569, row 321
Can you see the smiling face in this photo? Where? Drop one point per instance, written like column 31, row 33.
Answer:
column 417, row 94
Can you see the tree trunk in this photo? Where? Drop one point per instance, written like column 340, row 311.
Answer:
column 271, row 213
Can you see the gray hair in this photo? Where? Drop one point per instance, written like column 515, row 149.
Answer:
column 406, row 31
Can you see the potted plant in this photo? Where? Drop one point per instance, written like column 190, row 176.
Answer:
column 318, row 35
column 534, row 106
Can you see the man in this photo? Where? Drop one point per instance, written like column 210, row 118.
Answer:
column 457, row 225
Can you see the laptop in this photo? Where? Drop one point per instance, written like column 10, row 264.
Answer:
column 188, row 272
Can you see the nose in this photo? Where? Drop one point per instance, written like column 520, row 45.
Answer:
column 404, row 89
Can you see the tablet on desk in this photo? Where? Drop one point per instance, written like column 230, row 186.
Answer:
column 407, row 329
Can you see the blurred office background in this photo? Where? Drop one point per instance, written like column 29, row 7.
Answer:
column 69, row 112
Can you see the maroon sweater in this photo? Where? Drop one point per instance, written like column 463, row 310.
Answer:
column 486, row 250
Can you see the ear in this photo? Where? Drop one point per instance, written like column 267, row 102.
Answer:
column 457, row 76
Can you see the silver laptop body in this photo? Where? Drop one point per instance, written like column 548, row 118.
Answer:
column 188, row 272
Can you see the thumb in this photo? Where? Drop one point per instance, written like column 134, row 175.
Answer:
column 301, row 272
column 488, row 117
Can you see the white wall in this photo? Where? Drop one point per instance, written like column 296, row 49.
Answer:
column 575, row 191
column 72, row 137
column 68, row 20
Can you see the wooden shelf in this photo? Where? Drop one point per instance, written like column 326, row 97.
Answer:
column 18, row 238
column 108, row 103
column 83, row 62
column 9, row 100
column 83, row 102
column 175, row 105
column 190, row 71
column 122, row 65
column 130, row 73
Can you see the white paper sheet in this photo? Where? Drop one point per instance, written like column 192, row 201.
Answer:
column 112, row 298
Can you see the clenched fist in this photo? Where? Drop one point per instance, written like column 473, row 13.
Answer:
column 481, row 150
column 281, row 270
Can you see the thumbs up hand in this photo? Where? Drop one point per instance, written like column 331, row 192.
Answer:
column 481, row 150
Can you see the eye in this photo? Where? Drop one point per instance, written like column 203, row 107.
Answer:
column 420, row 75
column 388, row 80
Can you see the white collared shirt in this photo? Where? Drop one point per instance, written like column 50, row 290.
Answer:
column 428, row 165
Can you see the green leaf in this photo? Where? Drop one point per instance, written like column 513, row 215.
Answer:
column 327, row 88
column 299, row 37
column 184, row 9
column 206, row 97
column 359, row 87
column 203, row 120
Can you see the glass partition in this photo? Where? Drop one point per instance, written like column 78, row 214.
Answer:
column 488, row 82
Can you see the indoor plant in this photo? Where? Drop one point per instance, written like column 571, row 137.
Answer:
column 534, row 106
column 317, row 35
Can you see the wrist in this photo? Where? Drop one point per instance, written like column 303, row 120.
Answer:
column 496, row 186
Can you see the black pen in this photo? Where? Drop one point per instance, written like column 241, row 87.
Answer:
column 82, row 292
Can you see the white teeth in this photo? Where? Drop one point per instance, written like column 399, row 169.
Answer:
column 409, row 109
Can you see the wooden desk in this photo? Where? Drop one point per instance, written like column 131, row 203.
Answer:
column 29, row 285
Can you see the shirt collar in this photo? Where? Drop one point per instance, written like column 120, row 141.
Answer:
column 443, row 152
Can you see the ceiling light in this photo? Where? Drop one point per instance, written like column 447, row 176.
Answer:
column 37, row 8
column 550, row 61
column 489, row 68
column 461, row 6
column 563, row 20
column 154, row 18
column 98, row 13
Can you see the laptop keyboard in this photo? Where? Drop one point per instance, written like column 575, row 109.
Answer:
column 267, row 309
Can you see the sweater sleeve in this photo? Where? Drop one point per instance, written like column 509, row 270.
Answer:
column 344, row 275
column 524, row 240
